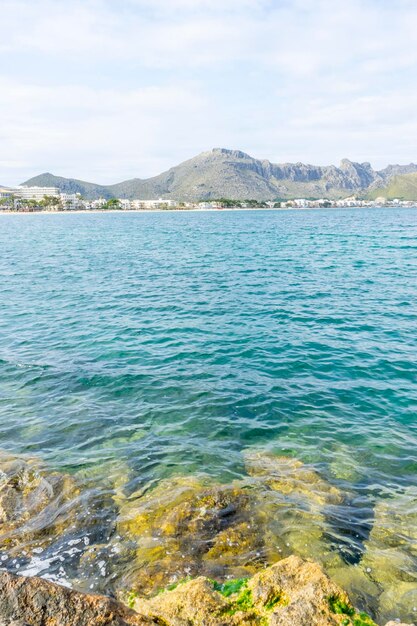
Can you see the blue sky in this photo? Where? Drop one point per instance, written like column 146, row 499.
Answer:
column 107, row 90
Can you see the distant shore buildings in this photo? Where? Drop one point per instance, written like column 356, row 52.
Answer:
column 51, row 198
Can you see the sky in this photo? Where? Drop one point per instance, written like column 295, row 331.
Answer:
column 106, row 90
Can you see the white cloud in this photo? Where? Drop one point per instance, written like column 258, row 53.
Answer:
column 100, row 132
column 111, row 90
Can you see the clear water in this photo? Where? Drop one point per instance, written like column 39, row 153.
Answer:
column 160, row 344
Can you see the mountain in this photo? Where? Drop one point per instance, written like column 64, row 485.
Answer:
column 69, row 185
column 234, row 174
column 403, row 187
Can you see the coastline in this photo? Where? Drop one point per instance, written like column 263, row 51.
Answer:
column 185, row 210
column 255, row 548
column 292, row 592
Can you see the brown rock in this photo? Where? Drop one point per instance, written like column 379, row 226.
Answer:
column 37, row 602
column 292, row 592
column 302, row 591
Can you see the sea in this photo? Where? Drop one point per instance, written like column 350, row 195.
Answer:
column 137, row 348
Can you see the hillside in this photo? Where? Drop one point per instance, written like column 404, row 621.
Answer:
column 235, row 174
column 403, row 187
column 70, row 185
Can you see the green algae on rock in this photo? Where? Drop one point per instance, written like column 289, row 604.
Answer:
column 292, row 592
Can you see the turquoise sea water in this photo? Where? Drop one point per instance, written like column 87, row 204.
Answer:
column 160, row 344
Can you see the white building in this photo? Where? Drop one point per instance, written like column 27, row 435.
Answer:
column 70, row 200
column 97, row 204
column 125, row 204
column 35, row 193
column 300, row 203
column 206, row 205
column 153, row 204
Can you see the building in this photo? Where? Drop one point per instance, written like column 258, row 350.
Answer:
column 153, row 204
column 6, row 192
column 35, row 193
column 70, row 201
column 97, row 204
column 125, row 204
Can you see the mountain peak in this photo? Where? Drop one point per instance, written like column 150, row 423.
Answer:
column 238, row 154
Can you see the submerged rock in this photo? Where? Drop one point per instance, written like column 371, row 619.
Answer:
column 33, row 502
column 344, row 465
column 297, row 499
column 290, row 476
column 390, row 559
column 395, row 522
column 187, row 526
column 190, row 525
column 47, row 519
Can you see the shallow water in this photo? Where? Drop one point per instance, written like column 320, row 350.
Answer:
column 139, row 347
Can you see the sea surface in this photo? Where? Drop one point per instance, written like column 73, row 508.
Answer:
column 138, row 347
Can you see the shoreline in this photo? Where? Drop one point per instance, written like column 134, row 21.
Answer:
column 292, row 591
column 179, row 210
column 276, row 522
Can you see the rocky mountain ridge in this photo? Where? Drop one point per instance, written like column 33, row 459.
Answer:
column 236, row 175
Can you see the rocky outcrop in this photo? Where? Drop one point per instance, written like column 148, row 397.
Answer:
column 37, row 602
column 133, row 545
column 293, row 592
column 290, row 593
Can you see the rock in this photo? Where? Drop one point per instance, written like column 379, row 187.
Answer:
column 47, row 519
column 296, row 497
column 33, row 503
column 399, row 601
column 186, row 526
column 390, row 559
column 189, row 526
column 344, row 464
column 358, row 584
column 290, row 476
column 395, row 522
column 292, row 592
column 37, row 602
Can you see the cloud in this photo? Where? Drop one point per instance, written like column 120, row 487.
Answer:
column 111, row 90
column 94, row 132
